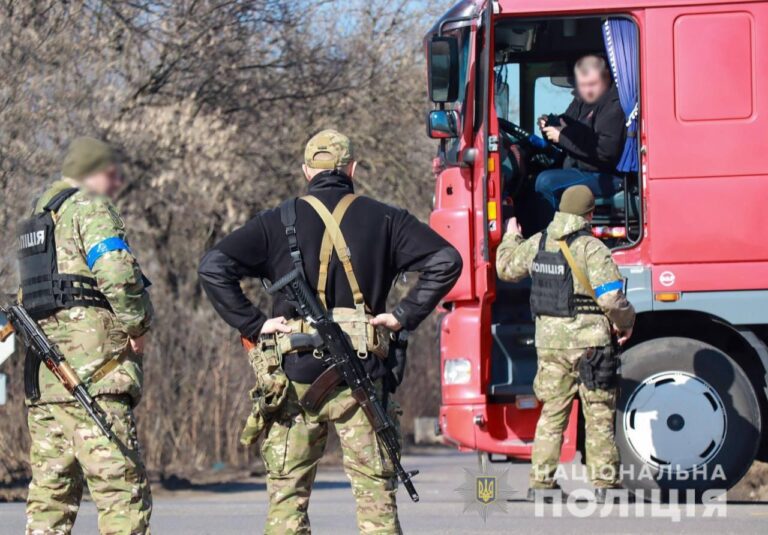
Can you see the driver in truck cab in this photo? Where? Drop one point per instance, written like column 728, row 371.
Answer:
column 577, row 297
column 592, row 134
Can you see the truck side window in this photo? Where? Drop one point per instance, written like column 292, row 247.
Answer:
column 508, row 92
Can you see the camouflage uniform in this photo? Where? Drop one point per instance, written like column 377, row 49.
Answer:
column 66, row 445
column 562, row 342
column 295, row 443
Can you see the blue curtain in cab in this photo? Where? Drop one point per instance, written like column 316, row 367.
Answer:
column 621, row 43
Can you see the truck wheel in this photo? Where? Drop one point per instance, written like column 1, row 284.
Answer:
column 687, row 419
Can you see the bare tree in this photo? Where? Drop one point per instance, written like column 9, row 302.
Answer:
column 210, row 103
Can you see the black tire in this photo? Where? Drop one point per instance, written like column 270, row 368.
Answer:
column 692, row 376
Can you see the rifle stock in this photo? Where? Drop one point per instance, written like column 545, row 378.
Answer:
column 6, row 331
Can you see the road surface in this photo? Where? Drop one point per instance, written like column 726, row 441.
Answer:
column 240, row 508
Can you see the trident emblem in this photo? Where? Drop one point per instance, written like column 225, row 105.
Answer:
column 486, row 489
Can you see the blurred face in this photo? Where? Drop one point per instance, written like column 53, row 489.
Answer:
column 591, row 85
column 107, row 182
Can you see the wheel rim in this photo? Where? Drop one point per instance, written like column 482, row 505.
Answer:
column 676, row 421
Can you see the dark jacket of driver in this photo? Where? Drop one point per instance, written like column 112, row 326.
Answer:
column 594, row 135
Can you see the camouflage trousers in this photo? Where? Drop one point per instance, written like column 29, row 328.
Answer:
column 293, row 447
column 67, row 451
column 556, row 386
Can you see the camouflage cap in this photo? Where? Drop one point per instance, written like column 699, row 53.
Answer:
column 577, row 200
column 86, row 156
column 328, row 149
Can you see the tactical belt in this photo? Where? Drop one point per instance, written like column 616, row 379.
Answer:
column 364, row 336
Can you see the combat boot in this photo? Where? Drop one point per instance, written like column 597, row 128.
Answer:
column 613, row 495
column 546, row 495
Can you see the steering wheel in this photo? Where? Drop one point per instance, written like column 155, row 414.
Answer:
column 522, row 153
column 515, row 132
column 516, row 149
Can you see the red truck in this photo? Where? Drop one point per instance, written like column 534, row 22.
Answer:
column 686, row 230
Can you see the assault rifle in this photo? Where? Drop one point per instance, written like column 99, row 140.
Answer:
column 338, row 353
column 41, row 350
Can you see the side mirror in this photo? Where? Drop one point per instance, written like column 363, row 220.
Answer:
column 443, row 124
column 443, row 68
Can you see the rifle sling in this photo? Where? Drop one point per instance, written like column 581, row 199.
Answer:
column 105, row 369
column 578, row 273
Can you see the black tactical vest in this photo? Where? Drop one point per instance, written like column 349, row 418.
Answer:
column 44, row 290
column 552, row 291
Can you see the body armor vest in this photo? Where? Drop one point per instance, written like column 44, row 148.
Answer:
column 44, row 290
column 552, row 292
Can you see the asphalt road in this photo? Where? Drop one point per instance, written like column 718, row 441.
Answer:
column 240, row 508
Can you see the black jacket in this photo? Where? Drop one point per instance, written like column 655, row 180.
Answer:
column 384, row 241
column 595, row 133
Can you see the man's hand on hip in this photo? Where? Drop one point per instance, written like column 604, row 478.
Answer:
column 276, row 325
column 138, row 345
column 387, row 320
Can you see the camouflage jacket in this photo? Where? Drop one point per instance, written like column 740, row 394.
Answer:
column 513, row 262
column 90, row 337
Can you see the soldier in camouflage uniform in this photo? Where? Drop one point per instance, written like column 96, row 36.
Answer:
column 353, row 281
column 562, row 342
column 104, row 345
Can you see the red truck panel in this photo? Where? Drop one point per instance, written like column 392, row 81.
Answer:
column 705, row 91
column 707, row 140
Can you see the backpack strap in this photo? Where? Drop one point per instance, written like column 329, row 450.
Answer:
column 288, row 218
column 334, row 235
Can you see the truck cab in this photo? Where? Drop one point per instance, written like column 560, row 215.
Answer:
column 684, row 227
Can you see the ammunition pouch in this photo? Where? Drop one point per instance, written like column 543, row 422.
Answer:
column 355, row 322
column 598, row 368
column 270, row 391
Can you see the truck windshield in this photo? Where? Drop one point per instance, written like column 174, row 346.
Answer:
column 522, row 104
column 550, row 98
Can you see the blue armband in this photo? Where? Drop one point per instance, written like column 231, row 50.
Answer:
column 106, row 246
column 609, row 287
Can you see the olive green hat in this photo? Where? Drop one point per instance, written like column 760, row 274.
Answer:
column 577, row 200
column 328, row 149
column 87, row 156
